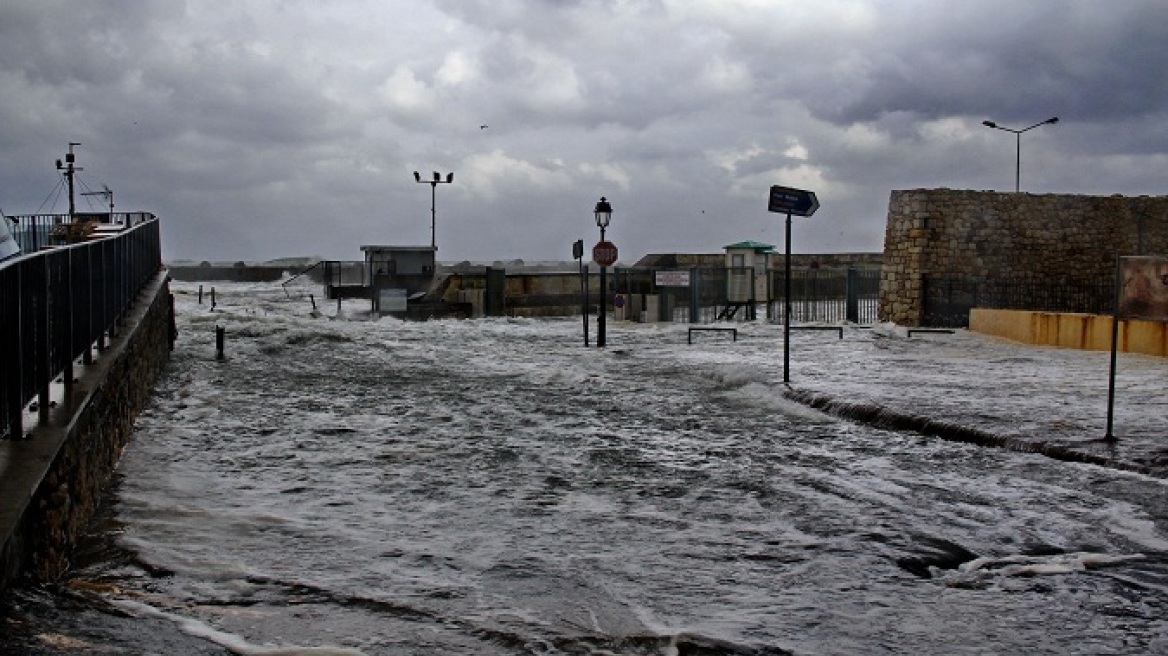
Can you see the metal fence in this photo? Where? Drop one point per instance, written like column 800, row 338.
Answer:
column 34, row 232
column 56, row 304
column 948, row 300
column 704, row 295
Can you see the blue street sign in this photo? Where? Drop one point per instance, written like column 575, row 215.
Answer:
column 793, row 201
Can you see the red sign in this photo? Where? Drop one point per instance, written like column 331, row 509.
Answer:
column 604, row 253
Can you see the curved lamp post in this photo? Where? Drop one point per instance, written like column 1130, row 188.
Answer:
column 603, row 212
column 1018, row 138
column 437, row 180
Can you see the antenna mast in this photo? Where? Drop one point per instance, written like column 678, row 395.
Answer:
column 69, row 171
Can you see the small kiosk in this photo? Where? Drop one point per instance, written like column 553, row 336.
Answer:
column 747, row 263
column 398, row 272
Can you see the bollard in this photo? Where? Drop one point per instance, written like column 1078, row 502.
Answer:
column 313, row 299
column 200, row 294
column 220, row 338
column 173, row 323
column 212, row 298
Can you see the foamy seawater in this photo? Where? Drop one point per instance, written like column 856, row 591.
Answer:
column 339, row 485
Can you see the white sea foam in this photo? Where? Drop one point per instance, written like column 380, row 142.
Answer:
column 1019, row 565
column 426, row 477
column 229, row 641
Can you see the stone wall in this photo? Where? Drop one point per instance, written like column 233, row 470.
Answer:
column 991, row 235
column 70, row 460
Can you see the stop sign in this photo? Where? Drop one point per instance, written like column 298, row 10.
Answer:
column 604, row 253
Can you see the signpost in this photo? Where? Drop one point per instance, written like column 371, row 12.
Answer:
column 797, row 202
column 1141, row 292
column 578, row 255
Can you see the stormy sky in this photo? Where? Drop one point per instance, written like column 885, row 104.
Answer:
column 258, row 129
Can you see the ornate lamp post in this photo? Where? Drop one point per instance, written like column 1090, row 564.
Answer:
column 1018, row 139
column 437, row 180
column 603, row 214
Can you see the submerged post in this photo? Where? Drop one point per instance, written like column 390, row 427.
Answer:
column 220, row 338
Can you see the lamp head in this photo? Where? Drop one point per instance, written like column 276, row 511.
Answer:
column 603, row 212
column 417, row 177
column 989, row 124
column 450, row 177
column 1052, row 120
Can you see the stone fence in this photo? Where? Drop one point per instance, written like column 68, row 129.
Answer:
column 1009, row 236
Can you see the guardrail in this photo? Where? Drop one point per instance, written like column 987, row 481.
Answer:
column 57, row 304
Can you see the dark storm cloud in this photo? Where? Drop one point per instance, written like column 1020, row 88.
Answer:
column 259, row 128
column 1094, row 61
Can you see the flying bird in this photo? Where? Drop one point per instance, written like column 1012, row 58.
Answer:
column 482, row 127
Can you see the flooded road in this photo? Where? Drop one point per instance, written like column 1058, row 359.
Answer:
column 343, row 486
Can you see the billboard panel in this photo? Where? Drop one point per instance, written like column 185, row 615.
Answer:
column 1144, row 288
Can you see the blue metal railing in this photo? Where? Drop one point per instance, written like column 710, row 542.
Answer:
column 56, row 304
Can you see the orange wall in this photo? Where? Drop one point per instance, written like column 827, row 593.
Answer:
column 1081, row 331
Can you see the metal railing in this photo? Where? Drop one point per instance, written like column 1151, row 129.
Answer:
column 56, row 304
column 948, row 300
column 738, row 294
column 34, row 232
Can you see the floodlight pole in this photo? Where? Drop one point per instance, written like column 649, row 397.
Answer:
column 434, row 182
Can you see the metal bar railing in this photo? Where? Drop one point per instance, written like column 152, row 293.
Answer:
column 947, row 300
column 56, row 304
column 817, row 295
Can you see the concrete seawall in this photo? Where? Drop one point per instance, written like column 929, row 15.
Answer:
column 1079, row 331
column 51, row 483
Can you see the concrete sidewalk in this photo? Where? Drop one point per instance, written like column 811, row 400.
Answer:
column 974, row 388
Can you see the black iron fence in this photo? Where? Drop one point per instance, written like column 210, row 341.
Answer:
column 57, row 304
column 703, row 295
column 948, row 300
column 826, row 295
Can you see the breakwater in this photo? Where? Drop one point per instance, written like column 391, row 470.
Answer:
column 51, row 481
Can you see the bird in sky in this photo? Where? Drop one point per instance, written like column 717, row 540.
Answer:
column 482, row 127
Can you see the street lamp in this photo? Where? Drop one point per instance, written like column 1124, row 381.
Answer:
column 1018, row 138
column 437, row 180
column 603, row 214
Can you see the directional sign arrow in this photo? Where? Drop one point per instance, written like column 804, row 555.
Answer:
column 797, row 202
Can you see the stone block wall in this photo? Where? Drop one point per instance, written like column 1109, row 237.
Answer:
column 992, row 235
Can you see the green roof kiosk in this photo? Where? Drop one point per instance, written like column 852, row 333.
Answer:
column 747, row 263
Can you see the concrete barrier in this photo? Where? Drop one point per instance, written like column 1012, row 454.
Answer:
column 1080, row 331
